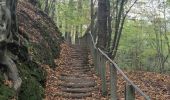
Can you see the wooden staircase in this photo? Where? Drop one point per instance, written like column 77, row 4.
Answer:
column 76, row 80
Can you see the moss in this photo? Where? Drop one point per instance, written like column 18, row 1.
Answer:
column 48, row 49
column 33, row 76
column 31, row 89
column 6, row 93
column 33, row 81
column 42, row 54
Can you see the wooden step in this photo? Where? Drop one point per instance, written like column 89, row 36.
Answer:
column 77, row 85
column 78, row 81
column 74, row 95
column 77, row 64
column 85, row 71
column 75, row 72
column 78, row 51
column 78, row 68
column 76, row 75
column 77, row 90
column 63, row 78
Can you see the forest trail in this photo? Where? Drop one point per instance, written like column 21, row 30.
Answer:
column 74, row 77
column 76, row 80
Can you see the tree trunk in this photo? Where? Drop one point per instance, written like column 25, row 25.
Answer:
column 46, row 7
column 109, row 22
column 12, row 4
column 80, row 11
column 102, row 23
column 10, row 10
column 53, row 9
column 92, row 19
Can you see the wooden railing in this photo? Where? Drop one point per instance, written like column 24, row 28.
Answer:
column 100, row 59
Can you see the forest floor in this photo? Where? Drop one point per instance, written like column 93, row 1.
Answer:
column 155, row 85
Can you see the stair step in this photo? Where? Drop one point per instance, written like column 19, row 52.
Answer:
column 63, row 78
column 75, row 72
column 78, row 85
column 76, row 75
column 77, row 90
column 78, row 81
column 80, row 65
column 74, row 95
column 75, row 64
column 78, row 68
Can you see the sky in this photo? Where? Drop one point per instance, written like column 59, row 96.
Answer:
column 149, row 9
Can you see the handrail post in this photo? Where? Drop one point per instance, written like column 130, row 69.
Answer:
column 91, row 47
column 103, row 75
column 92, row 50
column 100, row 64
column 129, row 92
column 113, row 81
column 95, row 59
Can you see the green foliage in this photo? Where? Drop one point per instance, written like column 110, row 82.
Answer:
column 70, row 15
column 138, row 48
column 6, row 93
column 33, row 78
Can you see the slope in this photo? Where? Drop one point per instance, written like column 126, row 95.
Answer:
column 39, row 44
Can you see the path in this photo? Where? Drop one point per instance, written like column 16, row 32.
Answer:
column 75, row 79
column 59, row 87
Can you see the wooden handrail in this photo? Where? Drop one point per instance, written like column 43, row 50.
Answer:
column 125, row 76
column 118, row 69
